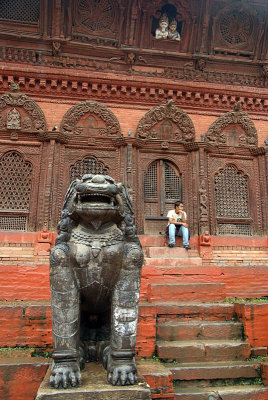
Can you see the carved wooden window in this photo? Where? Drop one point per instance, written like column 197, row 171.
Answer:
column 162, row 187
column 236, row 26
column 15, row 190
column 20, row 10
column 88, row 165
column 232, row 202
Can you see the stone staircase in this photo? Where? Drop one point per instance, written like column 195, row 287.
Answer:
column 198, row 337
column 184, row 321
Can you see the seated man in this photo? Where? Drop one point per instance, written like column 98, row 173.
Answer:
column 177, row 225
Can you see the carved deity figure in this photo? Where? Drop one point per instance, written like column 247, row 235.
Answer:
column 162, row 30
column 95, row 282
column 173, row 34
column 13, row 119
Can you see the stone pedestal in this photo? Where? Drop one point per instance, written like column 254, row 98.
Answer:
column 94, row 387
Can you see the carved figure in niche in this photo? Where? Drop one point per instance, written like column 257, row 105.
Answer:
column 13, row 119
column 56, row 49
column 95, row 281
column 26, row 124
column 2, row 122
column 172, row 32
column 162, row 30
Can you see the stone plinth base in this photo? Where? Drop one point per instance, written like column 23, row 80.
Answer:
column 94, row 387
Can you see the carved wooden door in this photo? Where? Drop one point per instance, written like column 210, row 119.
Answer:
column 162, row 187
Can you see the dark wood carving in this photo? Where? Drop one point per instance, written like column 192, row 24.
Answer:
column 235, row 30
column 96, row 21
column 166, row 122
column 90, row 119
column 234, row 128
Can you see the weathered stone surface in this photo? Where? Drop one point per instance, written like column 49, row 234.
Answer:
column 226, row 393
column 199, row 330
column 94, row 387
column 214, row 370
column 194, row 351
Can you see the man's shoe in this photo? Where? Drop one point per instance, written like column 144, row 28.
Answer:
column 187, row 247
column 171, row 245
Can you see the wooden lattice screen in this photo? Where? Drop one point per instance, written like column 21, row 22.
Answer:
column 88, row 165
column 232, row 202
column 15, row 191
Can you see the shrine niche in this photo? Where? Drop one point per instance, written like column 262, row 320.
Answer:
column 171, row 25
column 96, row 20
column 235, row 30
column 167, row 123
column 234, row 128
column 90, row 119
column 20, row 112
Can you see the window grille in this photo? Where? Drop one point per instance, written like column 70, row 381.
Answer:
column 13, row 223
column 236, row 26
column 88, row 165
column 231, row 194
column 150, row 182
column 20, row 10
column 234, row 229
column 172, row 183
column 15, row 182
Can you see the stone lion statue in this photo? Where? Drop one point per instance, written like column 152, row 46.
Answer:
column 95, row 281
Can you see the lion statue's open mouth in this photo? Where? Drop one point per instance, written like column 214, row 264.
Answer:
column 95, row 279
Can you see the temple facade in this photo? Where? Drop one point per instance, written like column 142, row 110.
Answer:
column 169, row 97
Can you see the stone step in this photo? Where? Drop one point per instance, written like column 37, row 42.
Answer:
column 158, row 377
column 160, row 241
column 186, row 292
column 167, row 252
column 185, row 311
column 175, row 262
column 180, row 274
column 20, row 374
column 198, row 330
column 25, row 324
column 214, row 370
column 24, row 282
column 203, row 351
column 94, row 386
column 252, row 392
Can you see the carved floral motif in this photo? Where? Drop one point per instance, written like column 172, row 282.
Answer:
column 166, row 120
column 100, row 120
column 216, row 134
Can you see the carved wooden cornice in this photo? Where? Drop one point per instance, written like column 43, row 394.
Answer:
column 107, row 88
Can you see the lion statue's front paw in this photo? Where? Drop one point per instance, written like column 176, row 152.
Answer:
column 65, row 374
column 121, row 373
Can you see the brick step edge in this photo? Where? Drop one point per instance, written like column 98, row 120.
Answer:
column 252, row 392
column 215, row 370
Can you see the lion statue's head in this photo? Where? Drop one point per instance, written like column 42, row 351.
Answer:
column 96, row 200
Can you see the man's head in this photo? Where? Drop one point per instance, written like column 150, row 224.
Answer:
column 178, row 206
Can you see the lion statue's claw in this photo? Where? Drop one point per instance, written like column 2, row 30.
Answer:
column 65, row 375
